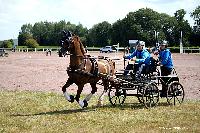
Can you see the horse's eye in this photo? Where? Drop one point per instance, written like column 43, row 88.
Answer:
column 70, row 38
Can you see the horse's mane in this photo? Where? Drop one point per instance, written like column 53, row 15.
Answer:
column 77, row 42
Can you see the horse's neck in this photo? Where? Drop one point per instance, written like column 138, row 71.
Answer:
column 78, row 49
column 77, row 55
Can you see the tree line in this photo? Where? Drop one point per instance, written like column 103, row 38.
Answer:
column 144, row 24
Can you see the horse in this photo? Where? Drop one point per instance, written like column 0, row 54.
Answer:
column 84, row 69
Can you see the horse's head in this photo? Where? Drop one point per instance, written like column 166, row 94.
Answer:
column 65, row 42
column 71, row 42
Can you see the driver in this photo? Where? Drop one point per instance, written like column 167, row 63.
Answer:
column 166, row 64
column 141, row 57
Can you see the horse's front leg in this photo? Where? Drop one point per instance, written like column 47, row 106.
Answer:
column 68, row 97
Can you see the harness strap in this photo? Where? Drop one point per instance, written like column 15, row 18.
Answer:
column 94, row 69
column 109, row 66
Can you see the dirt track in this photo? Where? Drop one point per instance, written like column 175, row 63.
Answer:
column 38, row 72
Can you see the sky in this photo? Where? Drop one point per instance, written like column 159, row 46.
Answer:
column 15, row 13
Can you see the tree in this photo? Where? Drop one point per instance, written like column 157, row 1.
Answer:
column 99, row 34
column 183, row 26
column 23, row 37
column 24, row 34
column 49, row 33
column 31, row 43
column 139, row 25
column 195, row 37
column 26, row 28
column 39, row 31
column 196, row 16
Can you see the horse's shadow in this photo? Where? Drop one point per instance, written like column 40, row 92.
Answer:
column 134, row 106
column 88, row 109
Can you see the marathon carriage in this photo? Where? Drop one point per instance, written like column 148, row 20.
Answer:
column 147, row 88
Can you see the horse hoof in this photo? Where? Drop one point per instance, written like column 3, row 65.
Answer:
column 72, row 98
column 85, row 103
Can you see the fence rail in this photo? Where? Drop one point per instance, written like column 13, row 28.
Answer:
column 30, row 49
column 172, row 49
column 191, row 50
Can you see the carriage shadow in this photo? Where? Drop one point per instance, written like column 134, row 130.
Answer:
column 134, row 106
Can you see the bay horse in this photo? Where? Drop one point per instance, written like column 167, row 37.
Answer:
column 84, row 69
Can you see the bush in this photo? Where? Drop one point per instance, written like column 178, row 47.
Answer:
column 31, row 43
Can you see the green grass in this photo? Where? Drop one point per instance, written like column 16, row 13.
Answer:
column 25, row 111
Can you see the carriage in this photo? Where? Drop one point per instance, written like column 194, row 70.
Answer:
column 86, row 69
column 147, row 88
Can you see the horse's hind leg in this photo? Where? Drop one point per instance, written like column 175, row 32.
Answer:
column 68, row 97
column 100, row 100
column 94, row 89
column 80, row 102
column 84, row 103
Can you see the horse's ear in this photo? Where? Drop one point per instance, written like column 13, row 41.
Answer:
column 78, row 38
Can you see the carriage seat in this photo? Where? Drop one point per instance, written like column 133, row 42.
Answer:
column 149, row 69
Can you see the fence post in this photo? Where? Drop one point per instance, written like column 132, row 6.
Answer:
column 27, row 50
column 43, row 50
column 35, row 49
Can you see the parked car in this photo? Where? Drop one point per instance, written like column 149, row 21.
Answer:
column 108, row 49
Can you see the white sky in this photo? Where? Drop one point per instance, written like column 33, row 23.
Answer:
column 15, row 13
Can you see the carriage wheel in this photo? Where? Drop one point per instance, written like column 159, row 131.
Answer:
column 175, row 93
column 150, row 95
column 139, row 94
column 116, row 96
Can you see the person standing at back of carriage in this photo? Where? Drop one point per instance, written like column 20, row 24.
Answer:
column 141, row 57
column 166, row 64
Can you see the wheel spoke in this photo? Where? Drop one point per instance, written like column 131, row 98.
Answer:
column 178, row 100
column 115, row 99
column 170, row 98
column 174, row 100
column 119, row 99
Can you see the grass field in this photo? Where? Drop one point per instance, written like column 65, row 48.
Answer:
column 26, row 111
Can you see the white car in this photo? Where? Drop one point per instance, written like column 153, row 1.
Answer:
column 107, row 49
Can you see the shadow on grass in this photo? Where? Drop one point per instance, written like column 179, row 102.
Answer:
column 135, row 106
column 88, row 109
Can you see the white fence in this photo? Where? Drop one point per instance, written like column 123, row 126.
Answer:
column 30, row 49
column 191, row 50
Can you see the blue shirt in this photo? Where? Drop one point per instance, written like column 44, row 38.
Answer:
column 141, row 56
column 165, row 58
